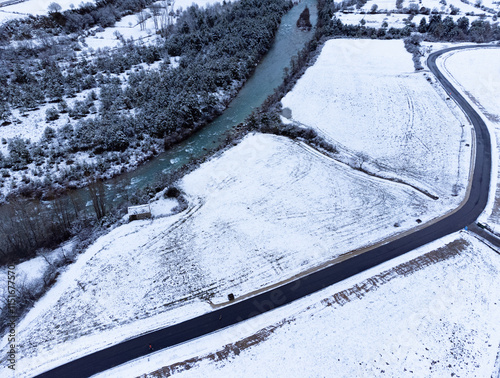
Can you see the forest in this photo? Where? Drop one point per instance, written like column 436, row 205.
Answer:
column 123, row 112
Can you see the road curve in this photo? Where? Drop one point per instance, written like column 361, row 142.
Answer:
column 237, row 312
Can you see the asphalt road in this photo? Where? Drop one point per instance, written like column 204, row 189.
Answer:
column 485, row 235
column 237, row 312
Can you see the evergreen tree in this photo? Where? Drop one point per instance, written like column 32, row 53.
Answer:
column 422, row 26
column 53, row 81
column 19, row 154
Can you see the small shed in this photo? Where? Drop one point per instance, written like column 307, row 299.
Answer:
column 139, row 212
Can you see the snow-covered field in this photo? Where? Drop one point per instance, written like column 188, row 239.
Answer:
column 481, row 84
column 128, row 27
column 439, row 5
column 264, row 211
column 387, row 12
column 394, row 20
column 36, row 8
column 364, row 96
column 430, row 313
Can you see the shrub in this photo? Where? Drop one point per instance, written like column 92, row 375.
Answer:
column 51, row 114
column 172, row 192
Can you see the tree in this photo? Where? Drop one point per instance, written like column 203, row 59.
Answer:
column 142, row 18
column 18, row 153
column 167, row 17
column 54, row 8
column 463, row 24
column 156, row 14
column 374, row 8
column 413, row 9
column 51, row 114
column 399, row 4
column 423, row 27
column 53, row 81
column 4, row 108
column 480, row 31
column 49, row 133
column 97, row 195
column 22, row 75
column 436, row 26
column 454, row 10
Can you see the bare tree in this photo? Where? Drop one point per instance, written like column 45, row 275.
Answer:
column 168, row 14
column 54, row 8
column 142, row 17
column 97, row 195
column 156, row 14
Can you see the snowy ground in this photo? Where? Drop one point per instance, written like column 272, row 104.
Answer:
column 394, row 20
column 128, row 26
column 387, row 12
column 30, row 273
column 32, row 124
column 390, row 5
column 36, row 8
column 481, row 85
column 40, row 7
column 430, row 313
column 265, row 210
column 364, row 96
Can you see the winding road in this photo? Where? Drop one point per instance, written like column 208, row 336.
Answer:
column 246, row 309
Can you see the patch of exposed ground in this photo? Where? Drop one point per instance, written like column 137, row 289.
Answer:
column 229, row 351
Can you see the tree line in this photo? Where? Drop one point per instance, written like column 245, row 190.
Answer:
column 434, row 28
column 103, row 13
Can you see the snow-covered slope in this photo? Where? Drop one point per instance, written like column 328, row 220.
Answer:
column 35, row 7
column 364, row 95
